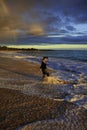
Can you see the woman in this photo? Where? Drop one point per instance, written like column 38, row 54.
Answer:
column 43, row 67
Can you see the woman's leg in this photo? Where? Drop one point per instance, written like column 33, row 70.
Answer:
column 46, row 73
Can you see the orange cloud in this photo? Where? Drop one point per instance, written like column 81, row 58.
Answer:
column 3, row 9
column 11, row 21
column 36, row 29
column 8, row 24
column 7, row 33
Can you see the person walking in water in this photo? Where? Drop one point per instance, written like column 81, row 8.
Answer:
column 43, row 67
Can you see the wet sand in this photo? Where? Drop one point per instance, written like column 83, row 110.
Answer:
column 23, row 105
column 18, row 109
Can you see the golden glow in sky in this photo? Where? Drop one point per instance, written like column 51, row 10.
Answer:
column 40, row 21
column 55, row 46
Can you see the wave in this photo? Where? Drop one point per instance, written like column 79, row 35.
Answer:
column 70, row 76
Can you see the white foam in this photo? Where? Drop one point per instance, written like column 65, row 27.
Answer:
column 66, row 70
column 52, row 80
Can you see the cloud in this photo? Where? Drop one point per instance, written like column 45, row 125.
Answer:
column 8, row 23
column 77, row 10
column 62, row 31
column 8, row 33
column 36, row 29
column 41, row 18
column 74, row 39
column 12, row 17
column 9, row 26
column 70, row 28
column 3, row 9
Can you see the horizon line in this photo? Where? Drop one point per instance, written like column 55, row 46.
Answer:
column 51, row 46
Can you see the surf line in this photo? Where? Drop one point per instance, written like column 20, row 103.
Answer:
column 53, row 80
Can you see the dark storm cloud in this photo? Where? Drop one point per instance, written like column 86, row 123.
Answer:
column 67, row 8
column 63, row 31
column 78, row 39
column 77, row 10
column 42, row 17
column 57, row 40
column 70, row 28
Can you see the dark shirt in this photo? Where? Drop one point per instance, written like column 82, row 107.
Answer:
column 43, row 65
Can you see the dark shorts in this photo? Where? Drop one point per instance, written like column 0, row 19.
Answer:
column 44, row 71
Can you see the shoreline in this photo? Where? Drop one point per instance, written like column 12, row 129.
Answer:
column 28, row 103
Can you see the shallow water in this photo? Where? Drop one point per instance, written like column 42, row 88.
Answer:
column 72, row 71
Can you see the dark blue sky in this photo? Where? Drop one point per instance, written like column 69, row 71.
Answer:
column 43, row 21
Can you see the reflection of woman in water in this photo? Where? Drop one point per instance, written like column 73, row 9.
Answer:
column 44, row 67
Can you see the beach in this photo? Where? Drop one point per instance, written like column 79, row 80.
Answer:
column 26, row 103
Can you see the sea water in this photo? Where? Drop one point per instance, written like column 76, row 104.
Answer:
column 69, row 65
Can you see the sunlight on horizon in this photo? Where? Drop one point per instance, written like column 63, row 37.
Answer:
column 49, row 46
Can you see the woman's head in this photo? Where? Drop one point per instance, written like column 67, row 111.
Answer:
column 45, row 58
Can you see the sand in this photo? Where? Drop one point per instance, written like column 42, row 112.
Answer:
column 26, row 103
column 17, row 109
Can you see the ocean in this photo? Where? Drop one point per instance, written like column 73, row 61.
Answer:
column 69, row 65
column 69, row 60
column 80, row 55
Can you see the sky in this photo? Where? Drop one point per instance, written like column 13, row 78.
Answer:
column 43, row 23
